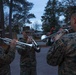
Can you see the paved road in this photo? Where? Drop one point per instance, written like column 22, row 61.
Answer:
column 42, row 67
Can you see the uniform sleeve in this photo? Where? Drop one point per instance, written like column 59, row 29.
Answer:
column 22, row 51
column 9, row 57
column 37, row 49
column 56, row 53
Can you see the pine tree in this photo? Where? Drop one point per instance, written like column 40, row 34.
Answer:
column 2, row 30
column 69, row 8
column 22, row 8
column 19, row 13
column 51, row 16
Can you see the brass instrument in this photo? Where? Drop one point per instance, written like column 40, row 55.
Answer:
column 45, row 37
column 21, row 44
column 35, row 45
column 55, row 36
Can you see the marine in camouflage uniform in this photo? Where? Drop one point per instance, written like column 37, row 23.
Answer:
column 27, row 60
column 6, row 57
column 63, row 54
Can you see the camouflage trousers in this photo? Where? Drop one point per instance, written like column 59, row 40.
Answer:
column 5, row 70
column 28, row 71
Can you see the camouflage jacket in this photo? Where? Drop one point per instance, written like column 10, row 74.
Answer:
column 63, row 54
column 5, row 60
column 27, row 56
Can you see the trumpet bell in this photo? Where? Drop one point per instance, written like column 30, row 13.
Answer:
column 43, row 38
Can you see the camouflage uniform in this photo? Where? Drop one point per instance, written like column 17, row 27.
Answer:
column 5, row 59
column 63, row 54
column 27, row 60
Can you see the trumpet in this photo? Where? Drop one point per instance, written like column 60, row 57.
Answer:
column 21, row 44
column 55, row 36
column 36, row 45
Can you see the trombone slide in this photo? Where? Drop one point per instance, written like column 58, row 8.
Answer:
column 21, row 44
column 7, row 41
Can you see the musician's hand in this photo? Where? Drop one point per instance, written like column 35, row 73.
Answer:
column 57, row 37
column 59, row 34
column 13, row 43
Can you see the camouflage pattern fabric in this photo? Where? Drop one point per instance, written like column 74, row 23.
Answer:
column 63, row 54
column 27, row 60
column 5, row 60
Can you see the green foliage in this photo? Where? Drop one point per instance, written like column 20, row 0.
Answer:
column 51, row 15
column 69, row 7
column 20, row 11
column 15, row 29
column 7, row 29
column 53, row 10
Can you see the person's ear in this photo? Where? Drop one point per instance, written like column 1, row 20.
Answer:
column 74, row 20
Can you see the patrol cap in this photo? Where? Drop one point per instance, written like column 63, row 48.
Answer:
column 26, row 29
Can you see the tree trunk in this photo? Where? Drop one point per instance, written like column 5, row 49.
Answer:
column 2, row 28
column 10, row 18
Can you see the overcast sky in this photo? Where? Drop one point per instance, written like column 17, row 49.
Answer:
column 38, row 9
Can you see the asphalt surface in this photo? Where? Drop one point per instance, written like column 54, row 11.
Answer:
column 42, row 67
